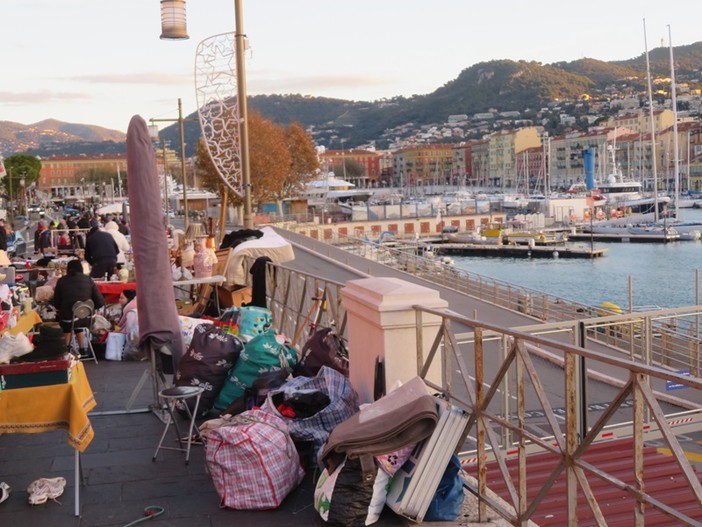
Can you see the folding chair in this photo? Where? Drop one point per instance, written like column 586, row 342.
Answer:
column 83, row 311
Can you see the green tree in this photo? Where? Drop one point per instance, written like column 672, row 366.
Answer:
column 349, row 168
column 18, row 167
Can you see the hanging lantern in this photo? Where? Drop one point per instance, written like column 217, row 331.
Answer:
column 173, row 21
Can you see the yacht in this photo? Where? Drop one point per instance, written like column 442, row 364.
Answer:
column 627, row 196
column 330, row 189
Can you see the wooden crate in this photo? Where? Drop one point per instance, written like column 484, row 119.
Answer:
column 233, row 296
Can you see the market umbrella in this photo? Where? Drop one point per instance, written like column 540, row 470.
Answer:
column 159, row 329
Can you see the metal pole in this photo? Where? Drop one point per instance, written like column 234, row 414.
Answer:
column 11, row 214
column 182, row 161
column 165, row 183
column 653, row 127
column 223, row 213
column 243, row 113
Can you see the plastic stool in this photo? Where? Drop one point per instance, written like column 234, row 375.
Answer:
column 170, row 396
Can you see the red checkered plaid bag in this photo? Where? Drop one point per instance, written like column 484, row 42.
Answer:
column 253, row 461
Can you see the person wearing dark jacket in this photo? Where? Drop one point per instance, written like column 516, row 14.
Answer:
column 83, row 224
column 72, row 288
column 100, row 251
column 3, row 235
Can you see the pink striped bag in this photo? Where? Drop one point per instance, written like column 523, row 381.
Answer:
column 253, row 462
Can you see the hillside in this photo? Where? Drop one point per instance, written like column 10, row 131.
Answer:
column 500, row 85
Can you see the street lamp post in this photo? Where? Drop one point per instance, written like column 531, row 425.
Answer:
column 22, row 182
column 165, row 183
column 10, row 212
column 173, row 26
column 181, row 126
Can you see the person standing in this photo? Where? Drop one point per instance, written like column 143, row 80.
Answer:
column 3, row 235
column 123, row 227
column 100, row 251
column 120, row 239
column 83, row 224
column 72, row 288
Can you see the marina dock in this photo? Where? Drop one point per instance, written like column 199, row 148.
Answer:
column 518, row 251
column 625, row 238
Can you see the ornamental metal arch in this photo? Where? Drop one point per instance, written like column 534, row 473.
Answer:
column 218, row 106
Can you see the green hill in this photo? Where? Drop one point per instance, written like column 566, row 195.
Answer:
column 501, row 85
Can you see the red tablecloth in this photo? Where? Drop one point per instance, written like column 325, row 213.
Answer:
column 111, row 290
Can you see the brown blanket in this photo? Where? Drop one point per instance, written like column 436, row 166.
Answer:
column 403, row 417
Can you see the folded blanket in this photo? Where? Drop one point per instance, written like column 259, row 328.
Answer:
column 403, row 417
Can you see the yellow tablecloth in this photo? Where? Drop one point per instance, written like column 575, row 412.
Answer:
column 25, row 323
column 55, row 407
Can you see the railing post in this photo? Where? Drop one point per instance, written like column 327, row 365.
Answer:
column 482, row 457
column 638, row 424
column 580, row 384
column 521, row 419
column 573, row 425
column 382, row 324
column 506, row 393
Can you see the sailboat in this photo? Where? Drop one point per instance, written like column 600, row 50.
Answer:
column 690, row 229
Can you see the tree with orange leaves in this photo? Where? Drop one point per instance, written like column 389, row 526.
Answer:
column 281, row 161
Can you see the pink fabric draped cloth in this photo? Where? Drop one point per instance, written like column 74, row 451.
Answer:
column 131, row 306
column 157, row 314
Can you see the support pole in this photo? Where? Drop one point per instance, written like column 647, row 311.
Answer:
column 223, row 213
column 243, row 113
column 181, row 125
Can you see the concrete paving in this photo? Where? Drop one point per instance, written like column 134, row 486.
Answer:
column 120, row 479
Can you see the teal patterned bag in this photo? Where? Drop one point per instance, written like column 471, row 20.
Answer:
column 264, row 353
column 253, row 321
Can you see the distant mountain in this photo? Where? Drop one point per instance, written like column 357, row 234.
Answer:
column 688, row 60
column 598, row 71
column 47, row 134
column 501, row 85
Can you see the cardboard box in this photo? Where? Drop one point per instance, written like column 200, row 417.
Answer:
column 233, row 296
column 29, row 374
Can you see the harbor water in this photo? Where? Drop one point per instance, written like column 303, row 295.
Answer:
column 662, row 274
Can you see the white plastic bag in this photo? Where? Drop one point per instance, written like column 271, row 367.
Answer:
column 114, row 346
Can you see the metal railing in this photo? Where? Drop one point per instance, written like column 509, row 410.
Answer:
column 499, row 360
column 670, row 339
column 501, row 382
column 301, row 303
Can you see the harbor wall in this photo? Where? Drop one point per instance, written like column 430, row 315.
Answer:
column 561, row 212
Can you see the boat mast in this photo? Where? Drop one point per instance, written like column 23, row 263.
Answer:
column 676, row 160
column 653, row 128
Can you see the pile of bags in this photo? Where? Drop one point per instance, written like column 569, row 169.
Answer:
column 281, row 415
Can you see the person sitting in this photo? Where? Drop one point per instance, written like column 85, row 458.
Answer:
column 74, row 287
column 129, row 321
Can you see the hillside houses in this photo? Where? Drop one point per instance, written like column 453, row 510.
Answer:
column 516, row 159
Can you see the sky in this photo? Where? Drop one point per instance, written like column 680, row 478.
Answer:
column 100, row 62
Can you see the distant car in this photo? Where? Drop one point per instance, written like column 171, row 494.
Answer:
column 20, row 221
column 16, row 244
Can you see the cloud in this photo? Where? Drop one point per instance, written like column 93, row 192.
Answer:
column 42, row 97
column 157, row 79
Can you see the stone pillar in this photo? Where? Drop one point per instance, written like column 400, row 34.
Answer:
column 382, row 323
